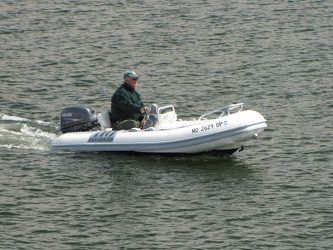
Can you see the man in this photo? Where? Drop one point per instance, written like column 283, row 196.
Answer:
column 127, row 109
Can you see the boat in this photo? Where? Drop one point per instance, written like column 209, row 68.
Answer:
column 222, row 131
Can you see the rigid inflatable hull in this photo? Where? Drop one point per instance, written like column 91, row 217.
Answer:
column 224, row 134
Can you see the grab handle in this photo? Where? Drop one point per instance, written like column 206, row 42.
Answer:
column 225, row 110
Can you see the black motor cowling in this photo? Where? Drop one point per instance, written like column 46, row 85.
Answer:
column 78, row 118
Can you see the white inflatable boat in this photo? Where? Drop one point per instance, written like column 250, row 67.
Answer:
column 224, row 134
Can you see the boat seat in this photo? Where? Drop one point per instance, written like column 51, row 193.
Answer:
column 104, row 120
column 167, row 120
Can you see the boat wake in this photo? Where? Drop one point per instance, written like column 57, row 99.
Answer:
column 20, row 133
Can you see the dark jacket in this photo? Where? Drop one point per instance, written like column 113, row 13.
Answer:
column 126, row 104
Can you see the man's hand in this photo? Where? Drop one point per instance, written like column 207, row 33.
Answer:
column 144, row 109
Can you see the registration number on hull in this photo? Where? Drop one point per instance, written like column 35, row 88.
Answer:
column 209, row 127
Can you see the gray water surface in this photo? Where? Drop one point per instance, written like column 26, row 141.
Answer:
column 275, row 56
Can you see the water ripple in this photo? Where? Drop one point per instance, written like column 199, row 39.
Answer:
column 276, row 57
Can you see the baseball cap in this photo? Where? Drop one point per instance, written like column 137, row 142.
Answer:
column 130, row 74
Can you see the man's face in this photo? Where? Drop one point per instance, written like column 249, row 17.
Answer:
column 132, row 81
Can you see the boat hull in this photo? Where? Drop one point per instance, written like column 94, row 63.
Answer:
column 225, row 134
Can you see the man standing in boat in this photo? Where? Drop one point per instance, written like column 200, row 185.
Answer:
column 127, row 109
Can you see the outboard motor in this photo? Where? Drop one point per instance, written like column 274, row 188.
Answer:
column 78, row 118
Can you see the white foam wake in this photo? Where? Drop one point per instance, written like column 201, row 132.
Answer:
column 20, row 133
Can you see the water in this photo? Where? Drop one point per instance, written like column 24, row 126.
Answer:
column 275, row 56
